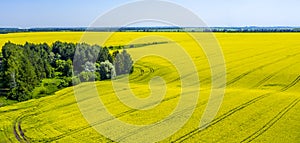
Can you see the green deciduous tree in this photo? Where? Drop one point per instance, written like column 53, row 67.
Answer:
column 24, row 67
column 107, row 70
column 123, row 63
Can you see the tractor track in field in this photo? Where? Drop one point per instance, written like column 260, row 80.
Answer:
column 132, row 111
column 11, row 110
column 245, row 50
column 214, row 122
column 18, row 137
column 264, row 80
column 238, row 60
column 292, row 84
column 248, row 57
column 109, row 119
column 142, row 72
column 152, row 125
column 273, row 74
column 258, row 68
column 5, row 129
column 234, row 110
column 251, row 71
column 21, row 137
column 74, row 102
column 222, row 117
column 267, row 53
column 269, row 124
column 273, row 51
column 17, row 129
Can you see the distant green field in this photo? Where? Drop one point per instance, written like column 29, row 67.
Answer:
column 261, row 103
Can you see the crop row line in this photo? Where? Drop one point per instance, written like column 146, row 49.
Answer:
column 110, row 119
column 219, row 119
column 232, row 111
column 272, row 75
column 268, row 125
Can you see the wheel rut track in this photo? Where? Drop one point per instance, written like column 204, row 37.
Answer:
column 5, row 129
column 276, row 118
column 264, row 80
column 22, row 137
column 232, row 111
column 132, row 111
column 238, row 60
column 249, row 57
column 144, row 74
column 258, row 68
column 17, row 129
column 176, row 114
column 107, row 120
column 16, row 133
column 269, row 124
column 243, row 74
column 221, row 118
column 224, row 115
column 292, row 84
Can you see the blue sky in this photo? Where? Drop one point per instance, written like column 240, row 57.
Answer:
column 76, row 13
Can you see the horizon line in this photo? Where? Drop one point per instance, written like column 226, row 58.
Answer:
column 41, row 27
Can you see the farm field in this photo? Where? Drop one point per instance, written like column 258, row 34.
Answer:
column 261, row 102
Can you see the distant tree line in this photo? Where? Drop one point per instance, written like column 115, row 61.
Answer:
column 157, row 29
column 23, row 67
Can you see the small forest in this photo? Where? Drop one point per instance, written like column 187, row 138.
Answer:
column 34, row 70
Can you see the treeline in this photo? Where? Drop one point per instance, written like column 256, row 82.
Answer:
column 25, row 67
column 15, row 30
column 156, row 29
column 209, row 29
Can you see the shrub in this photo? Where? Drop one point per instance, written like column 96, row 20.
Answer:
column 42, row 90
column 75, row 80
column 86, row 76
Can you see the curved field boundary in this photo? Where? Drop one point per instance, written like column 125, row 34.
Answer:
column 268, row 125
column 232, row 111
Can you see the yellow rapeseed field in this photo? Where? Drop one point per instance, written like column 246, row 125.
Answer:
column 261, row 101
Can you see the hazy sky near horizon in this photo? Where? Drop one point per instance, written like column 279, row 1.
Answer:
column 81, row 13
